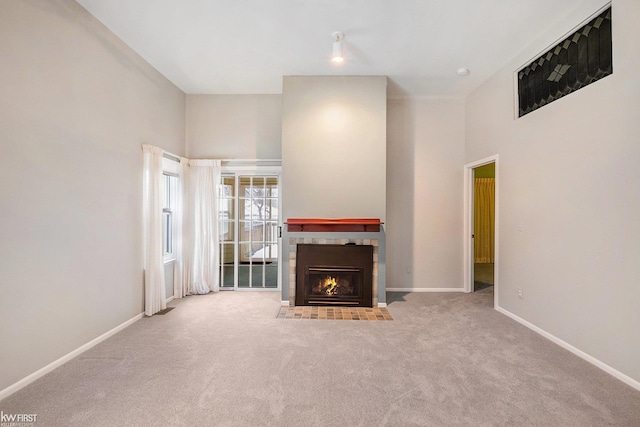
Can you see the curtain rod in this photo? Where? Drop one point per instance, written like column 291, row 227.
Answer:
column 166, row 154
column 250, row 160
column 171, row 156
column 176, row 158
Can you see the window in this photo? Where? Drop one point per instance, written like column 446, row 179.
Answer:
column 578, row 60
column 168, row 215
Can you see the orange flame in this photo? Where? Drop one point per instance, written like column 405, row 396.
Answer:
column 330, row 285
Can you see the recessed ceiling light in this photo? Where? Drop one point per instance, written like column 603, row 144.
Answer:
column 463, row 71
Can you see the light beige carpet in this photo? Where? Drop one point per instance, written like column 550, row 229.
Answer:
column 226, row 360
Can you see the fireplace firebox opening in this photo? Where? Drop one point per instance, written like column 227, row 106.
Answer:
column 338, row 275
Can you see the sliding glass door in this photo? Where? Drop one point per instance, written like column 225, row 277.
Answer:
column 249, row 226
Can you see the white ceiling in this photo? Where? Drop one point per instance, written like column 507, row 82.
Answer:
column 246, row 46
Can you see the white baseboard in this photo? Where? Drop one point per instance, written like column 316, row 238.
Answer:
column 425, row 289
column 64, row 359
column 382, row 304
column 581, row 354
column 168, row 300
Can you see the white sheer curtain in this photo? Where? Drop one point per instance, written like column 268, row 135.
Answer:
column 154, row 298
column 200, row 237
column 180, row 288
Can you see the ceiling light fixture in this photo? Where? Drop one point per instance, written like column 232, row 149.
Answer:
column 463, row 71
column 337, row 55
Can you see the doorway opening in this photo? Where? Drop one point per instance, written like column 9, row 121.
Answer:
column 481, row 226
column 250, row 230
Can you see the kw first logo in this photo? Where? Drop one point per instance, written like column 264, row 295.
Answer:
column 17, row 420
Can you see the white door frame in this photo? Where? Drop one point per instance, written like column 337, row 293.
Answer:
column 468, row 224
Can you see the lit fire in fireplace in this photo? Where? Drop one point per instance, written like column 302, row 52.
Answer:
column 330, row 285
column 334, row 275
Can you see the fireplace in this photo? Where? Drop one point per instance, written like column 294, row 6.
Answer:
column 334, row 275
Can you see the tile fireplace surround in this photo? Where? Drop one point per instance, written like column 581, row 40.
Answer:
column 324, row 235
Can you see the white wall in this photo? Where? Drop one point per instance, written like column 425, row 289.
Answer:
column 569, row 176
column 76, row 106
column 234, row 126
column 334, row 147
column 425, row 154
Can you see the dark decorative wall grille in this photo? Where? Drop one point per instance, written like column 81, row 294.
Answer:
column 581, row 59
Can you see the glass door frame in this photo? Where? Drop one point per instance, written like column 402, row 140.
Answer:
column 254, row 170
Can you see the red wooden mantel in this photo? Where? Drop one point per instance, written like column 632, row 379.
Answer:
column 333, row 224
